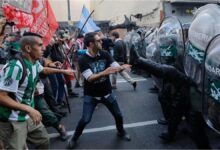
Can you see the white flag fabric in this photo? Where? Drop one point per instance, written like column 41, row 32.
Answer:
column 90, row 25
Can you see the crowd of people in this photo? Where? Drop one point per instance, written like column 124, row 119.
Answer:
column 33, row 79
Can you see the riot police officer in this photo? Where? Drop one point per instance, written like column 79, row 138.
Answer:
column 200, row 33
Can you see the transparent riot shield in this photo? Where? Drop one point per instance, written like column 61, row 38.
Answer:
column 205, row 25
column 150, row 51
column 170, row 40
column 150, row 36
column 131, row 38
column 153, row 54
column 211, row 85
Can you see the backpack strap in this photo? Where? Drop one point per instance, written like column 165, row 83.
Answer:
column 24, row 72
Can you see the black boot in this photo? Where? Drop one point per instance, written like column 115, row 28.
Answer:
column 167, row 137
column 134, row 85
column 62, row 131
column 125, row 136
column 199, row 136
column 71, row 144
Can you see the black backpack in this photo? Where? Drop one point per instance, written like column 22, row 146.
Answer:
column 24, row 72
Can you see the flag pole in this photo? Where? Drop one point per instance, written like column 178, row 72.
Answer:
column 85, row 22
column 83, row 25
column 80, row 32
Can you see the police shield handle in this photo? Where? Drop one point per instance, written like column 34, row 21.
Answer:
column 34, row 114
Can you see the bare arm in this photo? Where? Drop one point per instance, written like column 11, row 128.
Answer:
column 108, row 71
column 49, row 63
column 48, row 70
column 8, row 102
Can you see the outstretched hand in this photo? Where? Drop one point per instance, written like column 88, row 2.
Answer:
column 69, row 71
column 55, row 64
column 58, row 64
column 110, row 70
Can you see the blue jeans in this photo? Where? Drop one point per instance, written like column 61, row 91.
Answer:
column 88, row 109
column 57, row 82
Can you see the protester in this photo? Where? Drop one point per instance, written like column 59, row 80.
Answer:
column 49, row 118
column 56, row 52
column 19, row 121
column 96, row 66
column 79, row 46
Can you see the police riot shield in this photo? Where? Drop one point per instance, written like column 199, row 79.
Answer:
column 153, row 54
column 141, row 48
column 205, row 25
column 131, row 39
column 170, row 40
column 150, row 52
column 151, row 47
column 211, row 85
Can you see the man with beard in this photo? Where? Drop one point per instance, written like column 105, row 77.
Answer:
column 96, row 66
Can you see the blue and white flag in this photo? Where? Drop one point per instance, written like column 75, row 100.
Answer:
column 90, row 25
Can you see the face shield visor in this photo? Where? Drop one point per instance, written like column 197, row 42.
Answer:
column 202, row 29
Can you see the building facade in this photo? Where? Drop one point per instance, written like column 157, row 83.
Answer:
column 108, row 10
column 143, row 12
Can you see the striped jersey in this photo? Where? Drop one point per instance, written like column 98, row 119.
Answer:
column 10, row 75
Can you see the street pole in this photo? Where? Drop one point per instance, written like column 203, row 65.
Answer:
column 69, row 13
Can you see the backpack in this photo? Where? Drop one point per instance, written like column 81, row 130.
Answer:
column 24, row 72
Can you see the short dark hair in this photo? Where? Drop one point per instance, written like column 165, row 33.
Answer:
column 32, row 34
column 115, row 34
column 29, row 38
column 80, row 36
column 89, row 37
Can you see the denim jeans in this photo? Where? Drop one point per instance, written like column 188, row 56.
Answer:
column 88, row 109
column 57, row 82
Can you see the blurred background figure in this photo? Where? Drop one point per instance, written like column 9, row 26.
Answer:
column 120, row 55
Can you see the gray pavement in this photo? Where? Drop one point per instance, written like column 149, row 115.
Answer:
column 140, row 109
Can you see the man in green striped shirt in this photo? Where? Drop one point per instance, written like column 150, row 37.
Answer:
column 19, row 121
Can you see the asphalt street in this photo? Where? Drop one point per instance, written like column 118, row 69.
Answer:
column 140, row 109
